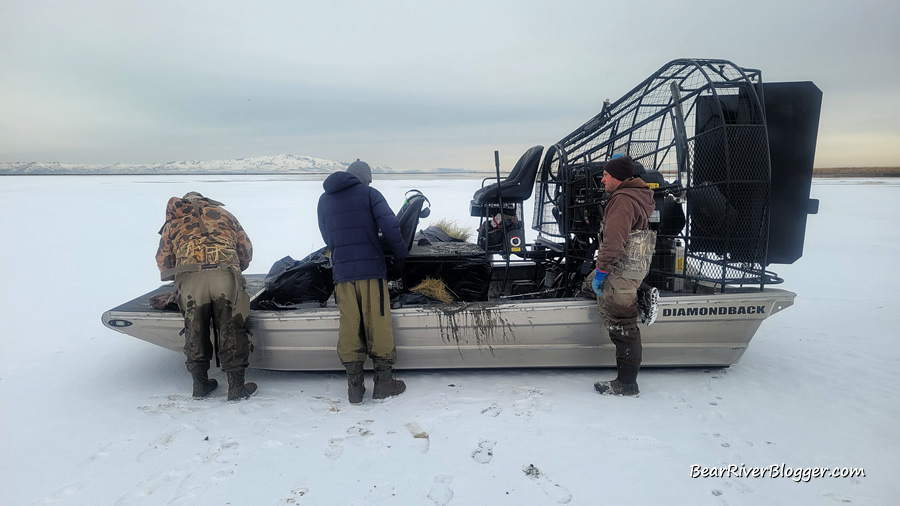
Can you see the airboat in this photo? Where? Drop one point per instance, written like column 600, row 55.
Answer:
column 709, row 137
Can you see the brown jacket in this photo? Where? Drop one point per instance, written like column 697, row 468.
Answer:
column 200, row 231
column 628, row 209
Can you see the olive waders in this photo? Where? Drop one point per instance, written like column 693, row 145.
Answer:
column 215, row 293
column 365, row 330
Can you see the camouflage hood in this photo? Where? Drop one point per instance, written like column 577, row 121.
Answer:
column 179, row 207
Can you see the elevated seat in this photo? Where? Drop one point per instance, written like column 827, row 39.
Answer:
column 506, row 235
column 517, row 187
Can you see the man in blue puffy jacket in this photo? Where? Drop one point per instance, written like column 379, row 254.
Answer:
column 351, row 213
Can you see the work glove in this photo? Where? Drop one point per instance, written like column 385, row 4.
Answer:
column 599, row 276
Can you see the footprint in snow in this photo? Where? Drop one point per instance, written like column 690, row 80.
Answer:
column 226, row 452
column 530, row 403
column 222, row 475
column 295, row 495
column 724, row 442
column 163, row 478
column 335, row 448
column 419, row 434
column 249, row 406
column 324, row 405
column 553, row 490
column 440, row 493
column 356, row 430
column 680, row 402
column 160, row 445
column 485, row 451
column 493, row 410
column 262, row 425
column 174, row 404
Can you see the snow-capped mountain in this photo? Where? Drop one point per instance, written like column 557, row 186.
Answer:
column 277, row 164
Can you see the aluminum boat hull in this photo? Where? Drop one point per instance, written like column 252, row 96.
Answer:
column 691, row 330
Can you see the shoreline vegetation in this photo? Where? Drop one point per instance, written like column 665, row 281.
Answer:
column 857, row 172
column 829, row 172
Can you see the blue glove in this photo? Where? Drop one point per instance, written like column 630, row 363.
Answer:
column 599, row 276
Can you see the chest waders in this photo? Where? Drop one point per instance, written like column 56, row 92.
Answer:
column 637, row 255
column 618, row 307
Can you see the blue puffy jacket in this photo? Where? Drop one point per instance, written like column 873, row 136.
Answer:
column 350, row 216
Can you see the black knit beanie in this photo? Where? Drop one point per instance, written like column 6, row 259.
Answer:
column 620, row 168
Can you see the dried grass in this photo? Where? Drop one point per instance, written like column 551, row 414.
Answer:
column 433, row 288
column 453, row 229
column 857, row 172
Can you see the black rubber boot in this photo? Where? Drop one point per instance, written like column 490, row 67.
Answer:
column 625, row 383
column 237, row 389
column 628, row 363
column 355, row 382
column 203, row 386
column 385, row 384
column 616, row 387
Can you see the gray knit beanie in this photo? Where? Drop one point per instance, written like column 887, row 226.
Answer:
column 361, row 170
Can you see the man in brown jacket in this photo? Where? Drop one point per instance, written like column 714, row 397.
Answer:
column 205, row 249
column 622, row 263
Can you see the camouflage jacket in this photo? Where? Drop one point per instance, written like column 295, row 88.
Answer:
column 199, row 231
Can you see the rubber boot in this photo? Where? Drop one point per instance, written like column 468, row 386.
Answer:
column 625, row 383
column 237, row 389
column 355, row 382
column 385, row 384
column 628, row 363
column 203, row 386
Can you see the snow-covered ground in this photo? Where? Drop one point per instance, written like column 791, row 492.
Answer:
column 93, row 417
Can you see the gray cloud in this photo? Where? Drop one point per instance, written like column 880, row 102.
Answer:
column 418, row 82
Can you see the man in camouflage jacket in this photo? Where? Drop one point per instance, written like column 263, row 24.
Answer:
column 206, row 249
column 622, row 263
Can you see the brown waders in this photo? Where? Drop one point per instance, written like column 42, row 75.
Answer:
column 365, row 330
column 214, row 299
column 618, row 307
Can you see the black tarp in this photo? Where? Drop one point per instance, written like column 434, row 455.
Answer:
column 290, row 282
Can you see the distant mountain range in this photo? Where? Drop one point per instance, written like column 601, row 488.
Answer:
column 278, row 164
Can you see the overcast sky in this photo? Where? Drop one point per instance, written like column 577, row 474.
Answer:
column 408, row 84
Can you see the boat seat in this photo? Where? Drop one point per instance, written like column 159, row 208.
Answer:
column 517, row 187
column 512, row 191
column 409, row 214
